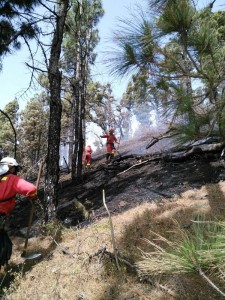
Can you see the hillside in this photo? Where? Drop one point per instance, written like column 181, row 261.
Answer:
column 145, row 196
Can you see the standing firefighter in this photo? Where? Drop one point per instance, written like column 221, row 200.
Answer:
column 10, row 186
column 110, row 148
column 87, row 157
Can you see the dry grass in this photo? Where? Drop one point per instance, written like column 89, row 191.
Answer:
column 66, row 272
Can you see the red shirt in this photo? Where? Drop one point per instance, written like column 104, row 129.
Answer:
column 110, row 138
column 88, row 150
column 10, row 185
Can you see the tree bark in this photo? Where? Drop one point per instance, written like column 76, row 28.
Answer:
column 54, row 76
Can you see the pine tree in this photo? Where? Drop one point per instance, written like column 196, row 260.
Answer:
column 8, row 129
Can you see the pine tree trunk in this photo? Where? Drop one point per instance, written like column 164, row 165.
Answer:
column 54, row 75
column 76, row 103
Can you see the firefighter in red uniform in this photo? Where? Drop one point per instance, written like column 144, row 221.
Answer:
column 87, row 156
column 110, row 148
column 10, row 186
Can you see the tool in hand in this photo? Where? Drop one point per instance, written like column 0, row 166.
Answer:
column 25, row 254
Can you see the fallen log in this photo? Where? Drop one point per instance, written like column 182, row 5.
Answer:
column 199, row 150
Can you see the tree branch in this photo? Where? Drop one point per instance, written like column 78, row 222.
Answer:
column 112, row 231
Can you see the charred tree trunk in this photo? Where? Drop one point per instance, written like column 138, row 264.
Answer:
column 54, row 76
column 71, row 136
column 76, row 103
column 76, row 129
column 85, row 17
column 84, row 78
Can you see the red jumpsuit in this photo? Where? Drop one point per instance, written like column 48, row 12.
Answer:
column 10, row 185
column 87, row 155
column 111, row 139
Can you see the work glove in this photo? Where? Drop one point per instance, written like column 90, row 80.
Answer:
column 5, row 248
column 32, row 197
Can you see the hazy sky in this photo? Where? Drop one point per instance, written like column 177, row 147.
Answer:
column 15, row 77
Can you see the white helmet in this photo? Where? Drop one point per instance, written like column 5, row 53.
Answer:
column 5, row 163
column 9, row 161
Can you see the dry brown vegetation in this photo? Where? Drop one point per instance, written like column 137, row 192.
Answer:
column 68, row 272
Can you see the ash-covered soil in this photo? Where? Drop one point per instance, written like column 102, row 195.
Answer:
column 134, row 178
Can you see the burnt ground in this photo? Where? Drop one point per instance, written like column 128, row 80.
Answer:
column 145, row 182
column 135, row 176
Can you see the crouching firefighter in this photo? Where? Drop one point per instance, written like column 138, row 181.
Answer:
column 10, row 186
column 110, row 148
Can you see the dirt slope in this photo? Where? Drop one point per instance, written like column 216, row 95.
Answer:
column 142, row 196
column 135, row 178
